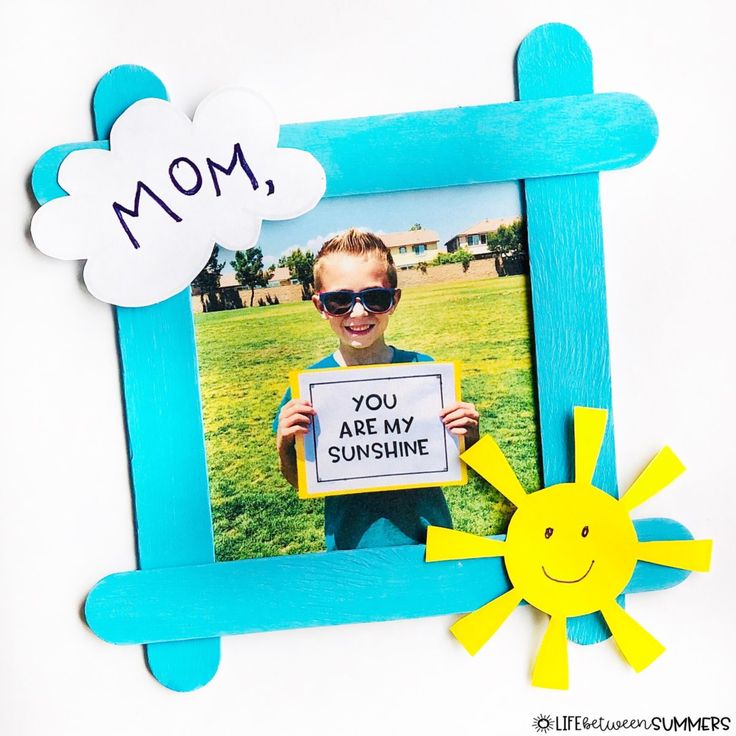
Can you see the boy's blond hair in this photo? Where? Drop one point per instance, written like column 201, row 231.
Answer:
column 357, row 243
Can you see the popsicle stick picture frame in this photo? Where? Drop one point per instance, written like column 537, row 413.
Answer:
column 555, row 139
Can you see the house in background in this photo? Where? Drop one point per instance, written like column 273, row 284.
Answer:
column 281, row 277
column 232, row 295
column 474, row 237
column 226, row 296
column 410, row 247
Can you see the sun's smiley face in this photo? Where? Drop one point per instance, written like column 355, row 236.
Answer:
column 570, row 549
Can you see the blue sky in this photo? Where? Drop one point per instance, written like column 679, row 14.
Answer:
column 447, row 211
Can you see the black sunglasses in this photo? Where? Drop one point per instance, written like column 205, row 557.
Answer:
column 376, row 300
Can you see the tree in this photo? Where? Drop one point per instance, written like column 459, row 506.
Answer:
column 301, row 267
column 415, row 226
column 208, row 279
column 249, row 270
column 465, row 257
column 508, row 239
column 442, row 258
column 461, row 255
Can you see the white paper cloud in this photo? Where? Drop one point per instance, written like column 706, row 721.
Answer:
column 146, row 213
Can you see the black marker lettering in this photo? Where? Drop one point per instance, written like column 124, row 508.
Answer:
column 390, row 427
column 238, row 158
column 119, row 210
column 375, row 404
column 198, row 182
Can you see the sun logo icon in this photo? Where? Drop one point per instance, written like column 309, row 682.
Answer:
column 542, row 723
column 570, row 549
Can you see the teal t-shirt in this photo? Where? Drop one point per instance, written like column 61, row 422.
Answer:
column 382, row 518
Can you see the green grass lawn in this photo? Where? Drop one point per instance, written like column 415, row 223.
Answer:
column 245, row 356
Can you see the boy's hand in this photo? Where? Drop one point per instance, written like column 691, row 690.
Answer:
column 294, row 419
column 461, row 418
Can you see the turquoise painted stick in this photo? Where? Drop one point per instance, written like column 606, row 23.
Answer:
column 567, row 283
column 165, row 436
column 485, row 143
column 288, row 592
column 454, row 147
column 161, row 391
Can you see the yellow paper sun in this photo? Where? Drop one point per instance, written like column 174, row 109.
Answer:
column 570, row 549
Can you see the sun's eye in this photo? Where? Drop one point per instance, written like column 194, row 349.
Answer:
column 585, row 531
column 548, row 532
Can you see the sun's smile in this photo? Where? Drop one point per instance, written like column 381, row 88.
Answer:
column 566, row 525
column 577, row 580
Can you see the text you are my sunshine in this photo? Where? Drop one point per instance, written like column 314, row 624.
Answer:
column 373, row 427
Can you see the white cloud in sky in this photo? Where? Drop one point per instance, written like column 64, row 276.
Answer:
column 146, row 213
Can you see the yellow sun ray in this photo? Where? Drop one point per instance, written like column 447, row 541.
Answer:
column 488, row 460
column 475, row 629
column 590, row 426
column 685, row 554
column 551, row 669
column 661, row 471
column 637, row 645
column 449, row 544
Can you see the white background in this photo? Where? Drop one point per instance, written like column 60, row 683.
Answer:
column 65, row 519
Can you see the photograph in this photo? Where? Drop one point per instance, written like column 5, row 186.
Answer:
column 408, row 277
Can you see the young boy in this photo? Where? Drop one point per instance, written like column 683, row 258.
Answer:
column 355, row 293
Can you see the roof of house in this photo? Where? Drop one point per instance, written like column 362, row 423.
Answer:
column 282, row 273
column 228, row 279
column 409, row 237
column 487, row 226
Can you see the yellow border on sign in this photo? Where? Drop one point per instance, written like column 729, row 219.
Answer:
column 301, row 465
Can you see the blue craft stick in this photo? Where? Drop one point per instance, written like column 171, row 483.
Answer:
column 168, row 462
column 161, row 389
column 118, row 90
column 322, row 589
column 471, row 145
column 44, row 178
column 450, row 147
column 164, row 419
column 647, row 575
column 568, row 284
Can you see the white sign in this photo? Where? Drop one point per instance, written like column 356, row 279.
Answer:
column 378, row 428
column 147, row 213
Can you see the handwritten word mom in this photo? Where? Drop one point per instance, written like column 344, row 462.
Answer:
column 187, row 178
